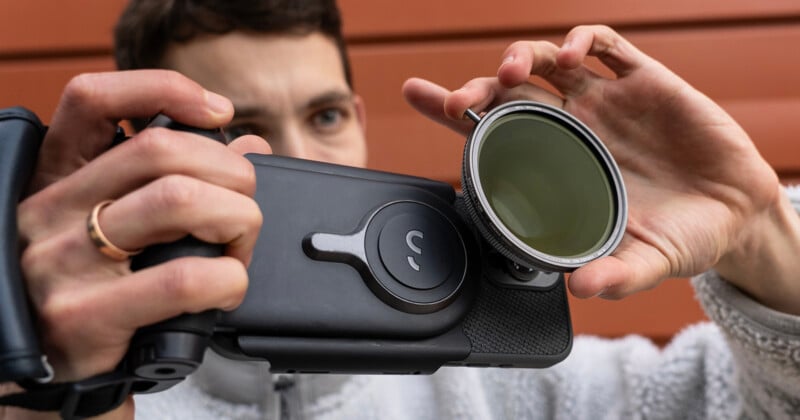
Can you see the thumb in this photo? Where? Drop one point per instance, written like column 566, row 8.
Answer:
column 632, row 268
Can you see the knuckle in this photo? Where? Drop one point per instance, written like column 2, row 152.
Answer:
column 156, row 145
column 36, row 217
column 42, row 258
column 178, row 281
column 590, row 28
column 61, row 314
column 79, row 90
column 34, row 261
column 518, row 45
column 603, row 29
column 174, row 192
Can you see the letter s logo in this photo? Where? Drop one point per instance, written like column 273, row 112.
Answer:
column 413, row 247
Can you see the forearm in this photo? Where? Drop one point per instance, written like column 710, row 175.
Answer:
column 765, row 261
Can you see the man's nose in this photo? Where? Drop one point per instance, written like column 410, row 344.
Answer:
column 290, row 143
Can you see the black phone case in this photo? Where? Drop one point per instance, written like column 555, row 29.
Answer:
column 339, row 281
column 326, row 313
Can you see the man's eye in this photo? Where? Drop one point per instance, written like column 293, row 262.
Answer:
column 327, row 119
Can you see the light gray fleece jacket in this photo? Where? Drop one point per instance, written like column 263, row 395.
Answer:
column 746, row 364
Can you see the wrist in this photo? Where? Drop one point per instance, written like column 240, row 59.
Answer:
column 16, row 413
column 764, row 260
column 124, row 411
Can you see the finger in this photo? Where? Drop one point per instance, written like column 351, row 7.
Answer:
column 428, row 99
column 250, row 144
column 485, row 93
column 183, row 285
column 151, row 154
column 477, row 94
column 85, row 121
column 162, row 212
column 632, row 268
column 594, row 278
column 71, row 318
column 174, row 206
column 525, row 58
column 614, row 51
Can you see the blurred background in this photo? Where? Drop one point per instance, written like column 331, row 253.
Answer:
column 745, row 54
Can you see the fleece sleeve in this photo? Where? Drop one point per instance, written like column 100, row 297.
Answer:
column 764, row 344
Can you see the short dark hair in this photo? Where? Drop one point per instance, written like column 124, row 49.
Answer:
column 147, row 27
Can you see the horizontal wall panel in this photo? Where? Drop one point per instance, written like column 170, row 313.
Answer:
column 37, row 84
column 370, row 18
column 36, row 26
column 764, row 98
column 747, row 71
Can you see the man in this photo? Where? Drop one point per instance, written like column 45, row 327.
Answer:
column 691, row 208
column 283, row 64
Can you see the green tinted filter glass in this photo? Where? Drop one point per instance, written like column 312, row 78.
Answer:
column 546, row 185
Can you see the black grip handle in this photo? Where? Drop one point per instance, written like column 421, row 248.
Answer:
column 21, row 358
column 172, row 349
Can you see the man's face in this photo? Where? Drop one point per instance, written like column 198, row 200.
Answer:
column 289, row 89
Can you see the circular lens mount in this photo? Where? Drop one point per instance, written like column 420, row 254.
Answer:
column 542, row 188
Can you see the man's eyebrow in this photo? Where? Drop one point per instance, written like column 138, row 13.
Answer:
column 250, row 110
column 327, row 98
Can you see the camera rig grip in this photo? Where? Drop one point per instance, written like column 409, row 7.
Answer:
column 166, row 352
column 160, row 355
column 21, row 134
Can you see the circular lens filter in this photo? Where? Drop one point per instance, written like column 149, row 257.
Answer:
column 542, row 188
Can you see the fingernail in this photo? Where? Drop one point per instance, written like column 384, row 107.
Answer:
column 218, row 103
column 507, row 60
column 566, row 45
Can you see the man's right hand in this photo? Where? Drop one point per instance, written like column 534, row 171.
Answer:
column 164, row 185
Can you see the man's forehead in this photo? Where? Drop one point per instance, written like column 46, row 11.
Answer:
column 251, row 68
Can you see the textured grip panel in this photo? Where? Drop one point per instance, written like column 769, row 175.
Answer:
column 520, row 322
